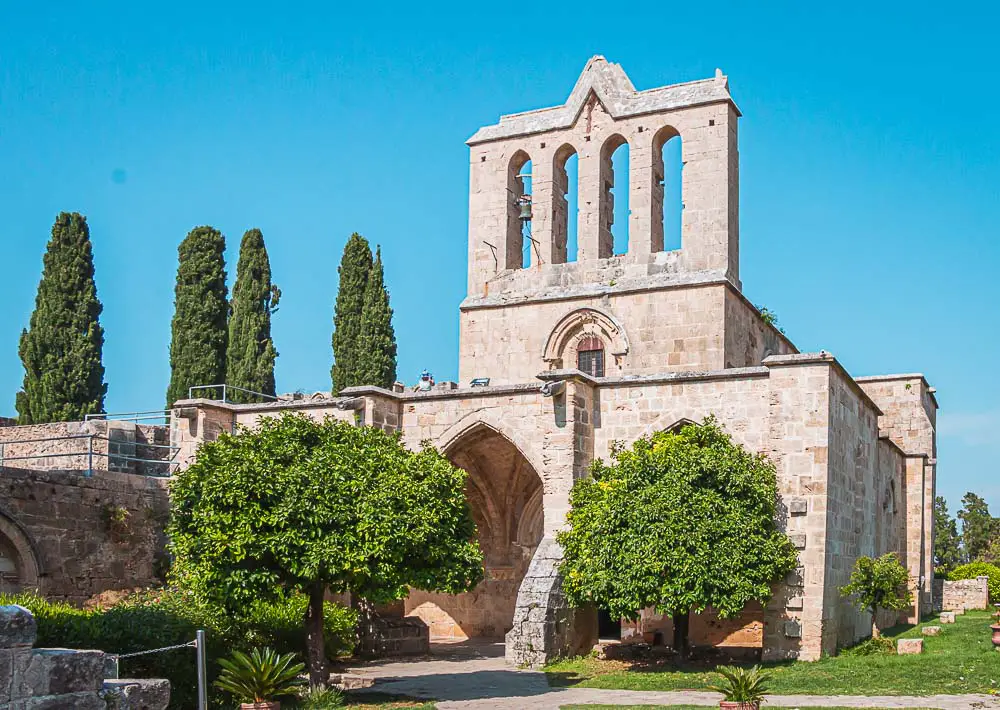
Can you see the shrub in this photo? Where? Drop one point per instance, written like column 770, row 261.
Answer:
column 159, row 618
column 979, row 569
column 261, row 676
column 871, row 647
column 321, row 698
column 742, row 685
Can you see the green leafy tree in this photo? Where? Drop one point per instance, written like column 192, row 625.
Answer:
column 681, row 521
column 879, row 583
column 378, row 339
column 199, row 329
column 947, row 543
column 300, row 505
column 250, row 353
column 355, row 268
column 977, row 526
column 62, row 347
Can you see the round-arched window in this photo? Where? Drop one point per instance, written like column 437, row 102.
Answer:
column 590, row 356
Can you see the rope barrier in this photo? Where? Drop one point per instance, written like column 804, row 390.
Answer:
column 189, row 644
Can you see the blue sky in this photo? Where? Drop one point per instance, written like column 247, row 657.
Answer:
column 869, row 178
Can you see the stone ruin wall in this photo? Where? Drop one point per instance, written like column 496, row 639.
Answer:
column 59, row 531
column 98, row 445
column 961, row 594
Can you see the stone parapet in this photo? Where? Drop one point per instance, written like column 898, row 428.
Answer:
column 961, row 594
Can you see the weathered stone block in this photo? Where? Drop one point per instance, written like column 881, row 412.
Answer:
column 909, row 646
column 136, row 694
column 793, row 629
column 931, row 631
column 799, row 540
column 958, row 611
column 57, row 671
column 73, row 701
column 947, row 617
column 798, row 506
column 17, row 627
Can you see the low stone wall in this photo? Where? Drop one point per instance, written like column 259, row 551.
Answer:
column 96, row 445
column 71, row 536
column 62, row 679
column 961, row 594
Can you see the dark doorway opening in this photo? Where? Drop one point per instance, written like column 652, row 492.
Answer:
column 608, row 627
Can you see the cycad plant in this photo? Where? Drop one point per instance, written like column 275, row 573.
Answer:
column 261, row 676
column 742, row 686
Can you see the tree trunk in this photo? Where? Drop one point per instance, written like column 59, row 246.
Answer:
column 876, row 633
column 681, row 624
column 319, row 672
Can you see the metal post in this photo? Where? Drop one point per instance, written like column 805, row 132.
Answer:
column 90, row 455
column 202, row 671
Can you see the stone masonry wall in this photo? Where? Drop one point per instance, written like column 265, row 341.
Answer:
column 73, row 536
column 61, row 679
column 962, row 593
column 98, row 445
column 679, row 329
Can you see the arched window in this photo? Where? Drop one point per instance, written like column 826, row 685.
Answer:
column 518, row 251
column 590, row 356
column 564, row 205
column 668, row 202
column 614, row 207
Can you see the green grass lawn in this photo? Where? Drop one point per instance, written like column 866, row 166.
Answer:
column 695, row 707
column 960, row 660
column 381, row 701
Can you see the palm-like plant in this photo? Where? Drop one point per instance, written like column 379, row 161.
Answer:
column 261, row 676
column 746, row 686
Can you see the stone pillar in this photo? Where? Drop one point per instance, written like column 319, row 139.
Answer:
column 193, row 421
column 645, row 234
column 542, row 194
column 545, row 626
column 589, row 192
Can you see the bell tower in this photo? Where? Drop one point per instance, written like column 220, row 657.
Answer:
column 519, row 219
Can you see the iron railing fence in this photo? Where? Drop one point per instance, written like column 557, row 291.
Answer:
column 154, row 416
column 226, row 389
column 118, row 453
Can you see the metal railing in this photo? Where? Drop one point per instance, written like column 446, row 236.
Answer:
column 226, row 389
column 114, row 454
column 153, row 415
column 200, row 659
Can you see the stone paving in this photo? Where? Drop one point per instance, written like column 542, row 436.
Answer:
column 474, row 676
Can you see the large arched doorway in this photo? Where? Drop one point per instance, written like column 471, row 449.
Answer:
column 505, row 494
column 19, row 569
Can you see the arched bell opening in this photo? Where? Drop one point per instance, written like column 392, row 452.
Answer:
column 505, row 495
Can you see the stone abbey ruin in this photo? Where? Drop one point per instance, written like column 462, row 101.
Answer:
column 578, row 354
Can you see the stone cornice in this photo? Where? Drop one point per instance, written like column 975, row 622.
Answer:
column 612, row 87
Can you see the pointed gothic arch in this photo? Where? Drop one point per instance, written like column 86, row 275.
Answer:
column 20, row 566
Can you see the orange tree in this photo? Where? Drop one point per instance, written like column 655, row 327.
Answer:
column 301, row 505
column 681, row 521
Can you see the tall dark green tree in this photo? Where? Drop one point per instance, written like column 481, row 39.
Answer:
column 250, row 353
column 377, row 365
column 977, row 526
column 947, row 543
column 62, row 346
column 199, row 330
column 355, row 268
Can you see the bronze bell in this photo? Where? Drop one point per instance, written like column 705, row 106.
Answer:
column 525, row 203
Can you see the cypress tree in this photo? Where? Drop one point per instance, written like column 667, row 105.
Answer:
column 198, row 330
column 378, row 339
column 61, row 348
column 355, row 266
column 250, row 354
